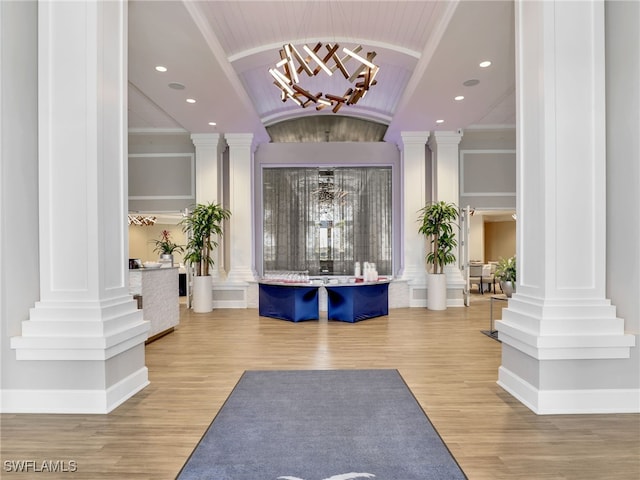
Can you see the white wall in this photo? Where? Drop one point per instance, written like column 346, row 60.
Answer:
column 142, row 241
column 488, row 168
column 161, row 172
column 623, row 173
column 19, row 265
column 476, row 238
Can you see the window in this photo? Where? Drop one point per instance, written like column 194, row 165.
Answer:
column 323, row 220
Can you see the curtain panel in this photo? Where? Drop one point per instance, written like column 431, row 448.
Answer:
column 324, row 220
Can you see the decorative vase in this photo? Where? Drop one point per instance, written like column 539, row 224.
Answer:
column 202, row 294
column 166, row 259
column 508, row 288
column 436, row 291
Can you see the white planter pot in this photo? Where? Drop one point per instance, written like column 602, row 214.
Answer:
column 436, row 291
column 202, row 294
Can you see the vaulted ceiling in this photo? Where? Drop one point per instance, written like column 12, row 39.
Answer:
column 219, row 53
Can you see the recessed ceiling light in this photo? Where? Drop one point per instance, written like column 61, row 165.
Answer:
column 190, row 100
column 471, row 83
column 485, row 64
column 459, row 97
column 439, row 121
column 176, row 86
column 213, row 124
column 160, row 68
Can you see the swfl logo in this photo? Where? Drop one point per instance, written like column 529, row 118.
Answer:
column 342, row 476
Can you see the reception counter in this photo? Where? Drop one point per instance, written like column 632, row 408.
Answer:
column 157, row 293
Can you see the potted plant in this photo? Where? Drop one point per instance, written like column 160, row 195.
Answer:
column 437, row 220
column 203, row 225
column 166, row 247
column 506, row 275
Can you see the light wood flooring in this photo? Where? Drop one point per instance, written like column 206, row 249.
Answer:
column 449, row 365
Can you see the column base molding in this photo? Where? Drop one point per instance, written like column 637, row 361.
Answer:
column 562, row 330
column 74, row 401
column 240, row 275
column 418, row 293
column 560, row 402
column 230, row 295
column 81, row 331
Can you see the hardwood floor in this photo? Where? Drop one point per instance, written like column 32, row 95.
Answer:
column 449, row 365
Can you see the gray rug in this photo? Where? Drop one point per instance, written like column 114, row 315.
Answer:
column 320, row 425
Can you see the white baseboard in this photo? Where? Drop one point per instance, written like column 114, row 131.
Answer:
column 556, row 402
column 73, row 401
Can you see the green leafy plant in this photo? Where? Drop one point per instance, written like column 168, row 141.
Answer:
column 506, row 269
column 165, row 245
column 202, row 225
column 437, row 220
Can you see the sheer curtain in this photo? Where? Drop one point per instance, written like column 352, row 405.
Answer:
column 324, row 221
column 367, row 215
column 289, row 219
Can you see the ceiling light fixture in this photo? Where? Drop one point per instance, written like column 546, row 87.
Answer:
column 142, row 220
column 292, row 63
column 190, row 100
column 213, row 124
column 160, row 68
column 459, row 97
column 439, row 121
column 485, row 64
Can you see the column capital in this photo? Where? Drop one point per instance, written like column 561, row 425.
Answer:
column 445, row 138
column 415, row 137
column 206, row 139
column 239, row 139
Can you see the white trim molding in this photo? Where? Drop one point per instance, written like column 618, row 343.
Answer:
column 561, row 402
column 74, row 401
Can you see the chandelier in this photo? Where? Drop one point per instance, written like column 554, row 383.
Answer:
column 292, row 63
column 146, row 220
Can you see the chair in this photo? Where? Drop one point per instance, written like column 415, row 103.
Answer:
column 475, row 276
column 489, row 277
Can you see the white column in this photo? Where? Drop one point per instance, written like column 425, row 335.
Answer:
column 446, row 166
column 559, row 333
column 414, row 198
column 241, row 224
column 85, row 337
column 209, row 147
column 446, row 187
